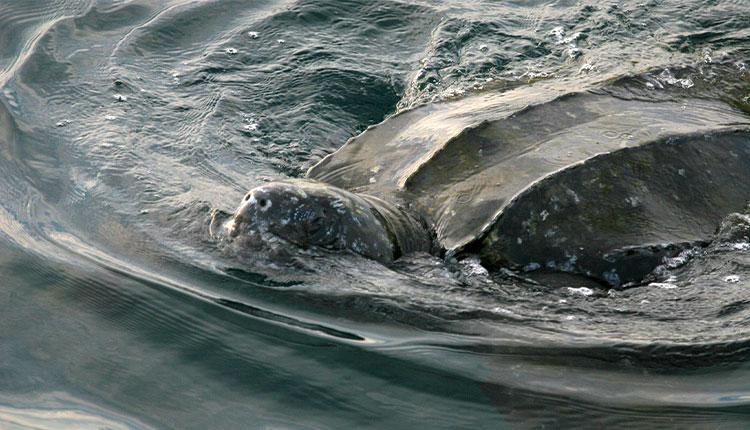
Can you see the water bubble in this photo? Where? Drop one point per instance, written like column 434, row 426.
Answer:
column 667, row 77
column 473, row 267
column 742, row 246
column 679, row 260
column 63, row 123
column 250, row 123
column 732, row 279
column 231, row 51
column 586, row 67
column 483, row 48
column 110, row 117
column 558, row 32
column 502, row 311
column 584, row 291
column 253, row 34
column 649, row 85
column 121, row 98
column 663, row 285
column 280, row 41
column 533, row 74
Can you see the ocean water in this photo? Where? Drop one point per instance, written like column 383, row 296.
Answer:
column 124, row 124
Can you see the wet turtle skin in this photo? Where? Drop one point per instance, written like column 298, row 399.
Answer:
column 604, row 182
column 310, row 213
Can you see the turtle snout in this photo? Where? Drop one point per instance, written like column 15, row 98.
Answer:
column 254, row 202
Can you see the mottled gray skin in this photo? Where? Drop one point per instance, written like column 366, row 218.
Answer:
column 308, row 213
column 604, row 182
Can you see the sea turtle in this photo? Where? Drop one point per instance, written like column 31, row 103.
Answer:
column 604, row 182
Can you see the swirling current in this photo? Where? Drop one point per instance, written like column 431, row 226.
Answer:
column 124, row 124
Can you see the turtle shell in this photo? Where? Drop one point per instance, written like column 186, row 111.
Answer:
column 537, row 175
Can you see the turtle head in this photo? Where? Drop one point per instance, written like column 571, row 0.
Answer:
column 308, row 213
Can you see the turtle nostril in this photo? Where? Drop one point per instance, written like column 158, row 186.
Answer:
column 247, row 196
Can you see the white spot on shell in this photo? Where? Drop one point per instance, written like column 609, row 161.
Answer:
column 573, row 194
column 634, row 201
column 612, row 277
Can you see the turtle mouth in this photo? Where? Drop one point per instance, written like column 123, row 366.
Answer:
column 241, row 231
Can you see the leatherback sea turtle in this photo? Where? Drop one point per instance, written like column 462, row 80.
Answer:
column 604, row 182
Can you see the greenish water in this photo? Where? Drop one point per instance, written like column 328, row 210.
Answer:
column 123, row 124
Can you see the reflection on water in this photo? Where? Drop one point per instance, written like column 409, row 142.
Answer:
column 124, row 124
column 55, row 411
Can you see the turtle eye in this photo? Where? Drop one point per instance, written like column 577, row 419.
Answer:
column 319, row 234
column 317, row 225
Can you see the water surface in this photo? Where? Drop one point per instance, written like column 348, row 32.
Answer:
column 123, row 124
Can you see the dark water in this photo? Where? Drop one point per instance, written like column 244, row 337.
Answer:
column 123, row 124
